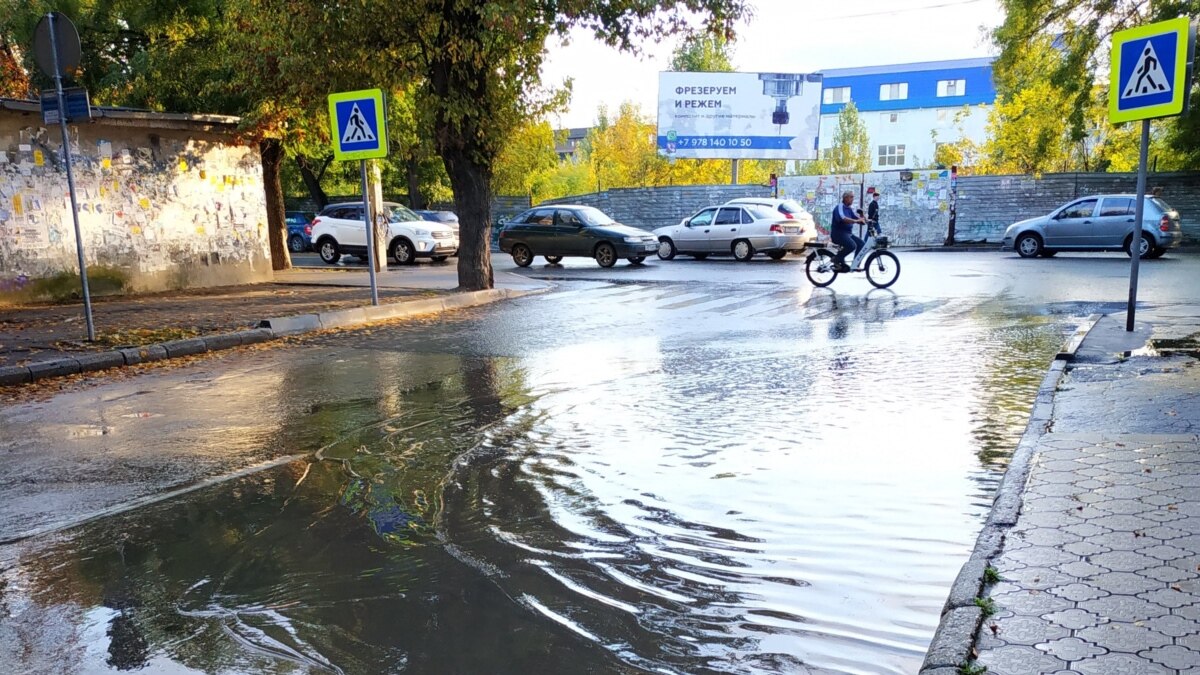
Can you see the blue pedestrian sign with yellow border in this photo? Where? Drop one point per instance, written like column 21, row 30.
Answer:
column 1150, row 70
column 358, row 124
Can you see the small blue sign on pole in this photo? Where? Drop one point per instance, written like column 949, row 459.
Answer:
column 79, row 108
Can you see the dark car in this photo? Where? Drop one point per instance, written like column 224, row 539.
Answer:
column 556, row 232
column 443, row 217
column 299, row 226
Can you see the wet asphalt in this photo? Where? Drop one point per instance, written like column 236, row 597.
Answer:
column 679, row 467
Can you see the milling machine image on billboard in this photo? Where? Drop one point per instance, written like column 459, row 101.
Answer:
column 739, row 115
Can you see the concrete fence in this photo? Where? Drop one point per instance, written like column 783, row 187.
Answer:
column 915, row 205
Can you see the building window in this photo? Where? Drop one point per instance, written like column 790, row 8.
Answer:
column 889, row 118
column 897, row 91
column 837, row 95
column 952, row 88
column 891, row 155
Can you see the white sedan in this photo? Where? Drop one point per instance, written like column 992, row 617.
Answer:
column 740, row 230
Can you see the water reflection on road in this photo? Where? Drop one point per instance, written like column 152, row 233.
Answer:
column 755, row 480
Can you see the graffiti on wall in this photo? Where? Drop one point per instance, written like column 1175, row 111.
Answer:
column 914, row 205
column 147, row 203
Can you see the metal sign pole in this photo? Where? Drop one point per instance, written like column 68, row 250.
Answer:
column 66, row 144
column 1135, row 236
column 369, row 222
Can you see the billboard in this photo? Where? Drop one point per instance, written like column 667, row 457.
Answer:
column 739, row 115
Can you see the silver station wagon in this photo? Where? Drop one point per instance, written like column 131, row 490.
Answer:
column 1097, row 223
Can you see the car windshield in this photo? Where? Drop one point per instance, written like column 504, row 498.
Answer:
column 593, row 216
column 398, row 214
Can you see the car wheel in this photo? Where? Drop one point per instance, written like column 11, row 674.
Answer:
column 742, row 250
column 553, row 259
column 1029, row 245
column 439, row 258
column 329, row 251
column 606, row 255
column 521, row 255
column 1146, row 249
column 403, row 253
column 776, row 255
column 296, row 243
column 820, row 268
column 636, row 260
column 666, row 249
column 700, row 256
column 1157, row 253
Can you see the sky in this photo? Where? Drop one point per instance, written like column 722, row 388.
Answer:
column 782, row 36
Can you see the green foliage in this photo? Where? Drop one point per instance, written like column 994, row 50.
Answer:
column 988, row 606
column 528, row 160
column 1063, row 44
column 972, row 668
column 703, row 53
column 850, row 151
column 991, row 575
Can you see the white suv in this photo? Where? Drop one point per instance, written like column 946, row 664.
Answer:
column 339, row 230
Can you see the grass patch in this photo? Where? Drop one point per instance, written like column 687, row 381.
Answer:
column 988, row 606
column 971, row 668
column 137, row 337
column 991, row 575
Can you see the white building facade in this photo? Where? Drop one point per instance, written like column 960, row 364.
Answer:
column 909, row 109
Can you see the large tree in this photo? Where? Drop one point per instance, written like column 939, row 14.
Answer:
column 850, row 151
column 703, row 53
column 477, row 65
column 1066, row 42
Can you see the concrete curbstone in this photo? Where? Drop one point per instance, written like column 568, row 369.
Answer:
column 254, row 335
column 286, row 325
column 100, row 361
column 944, row 670
column 55, row 368
column 343, row 317
column 143, row 354
column 15, row 375
column 177, row 348
column 951, row 644
column 222, row 341
column 967, row 585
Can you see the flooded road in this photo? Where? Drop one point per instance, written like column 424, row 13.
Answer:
column 735, row 475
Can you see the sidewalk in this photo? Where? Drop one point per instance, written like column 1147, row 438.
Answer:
column 1100, row 571
column 43, row 334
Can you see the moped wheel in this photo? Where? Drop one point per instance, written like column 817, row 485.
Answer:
column 883, row 269
column 820, row 269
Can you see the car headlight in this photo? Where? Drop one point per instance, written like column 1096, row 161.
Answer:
column 633, row 240
column 421, row 233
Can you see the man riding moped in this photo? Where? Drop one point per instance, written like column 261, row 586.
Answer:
column 841, row 231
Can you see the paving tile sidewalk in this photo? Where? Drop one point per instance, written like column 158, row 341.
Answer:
column 1101, row 573
column 48, row 332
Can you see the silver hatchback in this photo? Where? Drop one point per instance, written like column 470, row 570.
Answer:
column 1097, row 223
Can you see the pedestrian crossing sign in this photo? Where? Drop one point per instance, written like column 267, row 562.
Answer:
column 358, row 124
column 1150, row 70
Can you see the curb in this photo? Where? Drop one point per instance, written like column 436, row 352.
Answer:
column 269, row 329
column 956, row 632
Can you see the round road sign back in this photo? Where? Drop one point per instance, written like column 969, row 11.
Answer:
column 68, row 45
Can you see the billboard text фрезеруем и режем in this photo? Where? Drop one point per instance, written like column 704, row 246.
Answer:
column 739, row 115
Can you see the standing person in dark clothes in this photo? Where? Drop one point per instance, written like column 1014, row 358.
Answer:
column 873, row 216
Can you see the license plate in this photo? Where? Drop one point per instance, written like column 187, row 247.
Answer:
column 651, row 247
column 791, row 230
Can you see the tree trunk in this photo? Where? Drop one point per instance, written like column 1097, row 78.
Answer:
column 472, row 200
column 312, row 181
column 415, row 199
column 271, row 152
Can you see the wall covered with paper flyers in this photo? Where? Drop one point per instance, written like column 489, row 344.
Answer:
column 164, row 202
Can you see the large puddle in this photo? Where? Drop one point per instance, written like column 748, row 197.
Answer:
column 794, row 499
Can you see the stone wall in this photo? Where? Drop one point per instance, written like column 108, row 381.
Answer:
column 165, row 201
column 650, row 208
column 915, row 205
column 989, row 204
